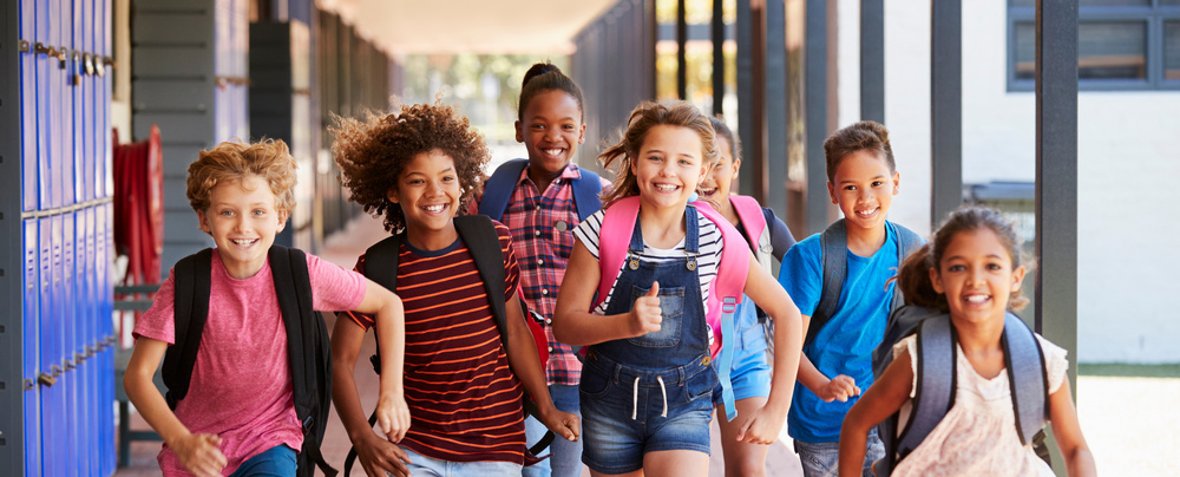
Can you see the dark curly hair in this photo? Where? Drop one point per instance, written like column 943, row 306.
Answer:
column 864, row 135
column 372, row 152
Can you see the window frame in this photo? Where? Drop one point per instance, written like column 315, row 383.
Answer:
column 1154, row 16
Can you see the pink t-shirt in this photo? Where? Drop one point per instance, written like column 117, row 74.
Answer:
column 241, row 382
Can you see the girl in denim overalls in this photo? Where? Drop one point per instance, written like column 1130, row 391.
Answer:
column 648, row 383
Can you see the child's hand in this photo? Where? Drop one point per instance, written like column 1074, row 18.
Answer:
column 561, row 423
column 760, row 427
column 380, row 458
column 393, row 416
column 645, row 313
column 199, row 454
column 839, row 388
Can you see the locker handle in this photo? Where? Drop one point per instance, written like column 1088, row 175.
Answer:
column 55, row 371
column 88, row 64
column 41, row 49
column 30, row 384
column 100, row 68
column 68, row 364
column 79, row 358
column 46, row 380
column 23, row 46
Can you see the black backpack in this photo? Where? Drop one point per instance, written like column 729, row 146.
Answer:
column 936, row 379
column 308, row 348
column 479, row 234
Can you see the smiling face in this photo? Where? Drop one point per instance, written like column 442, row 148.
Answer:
column 243, row 220
column 551, row 130
column 428, row 192
column 669, row 166
column 863, row 187
column 716, row 185
column 976, row 274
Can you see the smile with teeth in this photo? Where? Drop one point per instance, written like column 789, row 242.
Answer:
column 977, row 299
column 868, row 213
column 553, row 151
column 436, row 208
column 244, row 242
column 667, row 187
column 707, row 191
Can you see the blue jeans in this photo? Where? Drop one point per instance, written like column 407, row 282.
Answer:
column 821, row 459
column 565, row 457
column 278, row 461
column 422, row 466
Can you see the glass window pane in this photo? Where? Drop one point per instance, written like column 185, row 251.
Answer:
column 1112, row 50
column 1026, row 51
column 1172, row 50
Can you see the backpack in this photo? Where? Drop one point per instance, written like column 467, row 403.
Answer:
column 498, row 190
column 935, row 370
column 479, row 234
column 727, row 290
column 755, row 220
column 834, row 243
column 308, row 348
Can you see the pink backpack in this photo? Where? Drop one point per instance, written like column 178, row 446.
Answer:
column 727, row 289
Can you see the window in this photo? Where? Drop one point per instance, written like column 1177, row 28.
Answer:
column 1122, row 44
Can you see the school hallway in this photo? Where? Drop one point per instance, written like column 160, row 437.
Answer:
column 342, row 249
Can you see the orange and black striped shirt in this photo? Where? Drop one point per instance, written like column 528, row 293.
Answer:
column 465, row 403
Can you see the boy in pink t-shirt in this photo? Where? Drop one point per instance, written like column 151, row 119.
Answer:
column 239, row 416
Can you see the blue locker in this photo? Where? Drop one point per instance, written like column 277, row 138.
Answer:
column 93, row 316
column 52, row 402
column 86, row 7
column 28, row 105
column 41, row 61
column 66, row 93
column 30, row 358
column 87, row 321
column 54, row 85
column 105, row 252
column 70, row 340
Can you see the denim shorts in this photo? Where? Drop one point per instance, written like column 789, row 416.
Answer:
column 423, row 466
column 623, row 412
column 751, row 370
column 822, row 459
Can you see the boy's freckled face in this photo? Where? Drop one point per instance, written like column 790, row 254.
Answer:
column 428, row 191
column 863, row 187
column 242, row 219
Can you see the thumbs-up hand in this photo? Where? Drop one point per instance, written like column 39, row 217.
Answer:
column 645, row 313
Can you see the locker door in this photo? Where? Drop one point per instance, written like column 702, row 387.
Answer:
column 41, row 95
column 52, row 400
column 92, row 315
column 66, row 93
column 30, row 358
column 55, row 96
column 69, row 331
column 86, row 99
column 28, row 105
column 104, row 250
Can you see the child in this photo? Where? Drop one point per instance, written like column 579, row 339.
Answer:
column 242, row 195
column 541, row 201
column 417, row 167
column 972, row 270
column 837, row 361
column 647, row 385
column 768, row 236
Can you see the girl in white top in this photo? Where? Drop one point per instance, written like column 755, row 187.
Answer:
column 972, row 269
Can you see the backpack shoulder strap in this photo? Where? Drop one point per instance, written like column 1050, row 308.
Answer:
column 587, row 192
column 498, row 189
column 190, row 311
column 1025, row 361
column 907, row 242
column 613, row 239
column 834, row 246
column 381, row 262
column 479, row 234
column 934, row 395
column 753, row 220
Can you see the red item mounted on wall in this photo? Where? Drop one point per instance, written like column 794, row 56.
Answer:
column 139, row 207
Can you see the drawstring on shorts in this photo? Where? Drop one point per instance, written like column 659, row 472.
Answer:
column 635, row 397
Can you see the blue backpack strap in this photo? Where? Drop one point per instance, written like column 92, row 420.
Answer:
column 834, row 245
column 1025, row 362
column 587, row 192
column 935, row 394
column 498, row 189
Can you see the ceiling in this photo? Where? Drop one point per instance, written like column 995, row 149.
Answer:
column 469, row 26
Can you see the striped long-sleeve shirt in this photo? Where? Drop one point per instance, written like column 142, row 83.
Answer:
column 465, row 403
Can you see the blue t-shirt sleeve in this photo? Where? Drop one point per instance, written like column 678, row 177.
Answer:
column 781, row 239
column 801, row 274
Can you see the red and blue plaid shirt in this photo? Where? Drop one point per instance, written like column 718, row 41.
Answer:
column 542, row 227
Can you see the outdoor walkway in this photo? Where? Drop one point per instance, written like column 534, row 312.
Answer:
column 1130, row 422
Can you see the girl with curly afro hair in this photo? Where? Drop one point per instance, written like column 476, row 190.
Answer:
column 417, row 167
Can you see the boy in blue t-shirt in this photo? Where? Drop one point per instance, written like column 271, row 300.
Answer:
column 837, row 362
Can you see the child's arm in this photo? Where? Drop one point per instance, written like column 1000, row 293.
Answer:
column 393, row 416
column 526, row 364
column 763, row 427
column 882, row 400
column 1078, row 459
column 574, row 324
column 377, row 454
column 198, row 453
column 838, row 388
